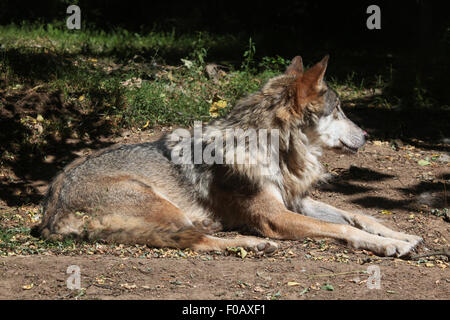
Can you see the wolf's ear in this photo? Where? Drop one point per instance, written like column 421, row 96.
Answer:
column 296, row 67
column 314, row 75
column 310, row 83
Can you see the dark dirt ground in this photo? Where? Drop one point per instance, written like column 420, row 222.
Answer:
column 384, row 180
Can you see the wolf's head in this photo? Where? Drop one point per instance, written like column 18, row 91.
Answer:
column 321, row 109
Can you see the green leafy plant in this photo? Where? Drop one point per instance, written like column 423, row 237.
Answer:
column 274, row 63
column 249, row 56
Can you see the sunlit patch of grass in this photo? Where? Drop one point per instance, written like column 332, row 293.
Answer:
column 120, row 42
column 187, row 95
column 92, row 70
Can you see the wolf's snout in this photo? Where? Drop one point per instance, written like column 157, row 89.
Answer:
column 354, row 139
column 358, row 140
column 364, row 137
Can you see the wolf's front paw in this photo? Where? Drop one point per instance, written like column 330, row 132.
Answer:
column 397, row 248
column 414, row 240
column 208, row 226
column 387, row 247
column 264, row 247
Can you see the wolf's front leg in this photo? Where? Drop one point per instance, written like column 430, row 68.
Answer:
column 272, row 219
column 325, row 212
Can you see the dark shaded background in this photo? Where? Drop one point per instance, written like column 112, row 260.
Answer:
column 283, row 26
column 411, row 49
column 414, row 38
column 306, row 19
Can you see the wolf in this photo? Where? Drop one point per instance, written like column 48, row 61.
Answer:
column 138, row 194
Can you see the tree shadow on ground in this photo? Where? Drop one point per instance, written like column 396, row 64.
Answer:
column 29, row 156
column 423, row 128
column 31, row 64
column 342, row 181
column 431, row 194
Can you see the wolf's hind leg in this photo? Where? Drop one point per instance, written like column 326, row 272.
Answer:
column 131, row 211
column 325, row 212
column 170, row 229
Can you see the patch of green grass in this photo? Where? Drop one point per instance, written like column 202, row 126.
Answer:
column 15, row 237
column 119, row 43
column 96, row 74
column 187, row 96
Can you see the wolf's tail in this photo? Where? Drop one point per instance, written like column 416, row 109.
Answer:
column 49, row 207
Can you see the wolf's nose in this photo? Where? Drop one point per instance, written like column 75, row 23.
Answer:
column 365, row 136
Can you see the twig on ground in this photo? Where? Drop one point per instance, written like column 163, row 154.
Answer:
column 443, row 252
column 337, row 274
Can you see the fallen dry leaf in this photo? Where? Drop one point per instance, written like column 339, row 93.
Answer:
column 293, row 283
column 128, row 286
column 28, row 286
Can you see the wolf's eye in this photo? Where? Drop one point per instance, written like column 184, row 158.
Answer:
column 330, row 106
column 331, row 101
column 328, row 109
